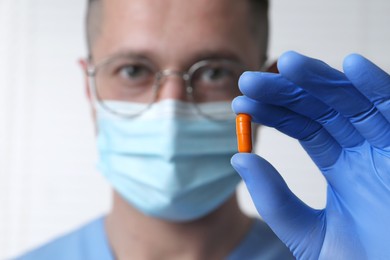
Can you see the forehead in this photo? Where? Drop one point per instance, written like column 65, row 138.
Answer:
column 172, row 30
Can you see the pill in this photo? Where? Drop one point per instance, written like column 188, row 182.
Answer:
column 244, row 133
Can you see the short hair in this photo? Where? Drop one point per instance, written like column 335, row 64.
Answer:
column 93, row 21
column 259, row 25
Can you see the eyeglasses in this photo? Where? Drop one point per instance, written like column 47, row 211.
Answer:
column 133, row 79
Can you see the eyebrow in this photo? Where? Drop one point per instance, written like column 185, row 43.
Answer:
column 203, row 55
column 124, row 53
column 218, row 54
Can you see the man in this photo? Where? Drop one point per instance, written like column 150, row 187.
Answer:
column 166, row 137
column 160, row 75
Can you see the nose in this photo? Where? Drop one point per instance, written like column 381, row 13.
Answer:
column 172, row 85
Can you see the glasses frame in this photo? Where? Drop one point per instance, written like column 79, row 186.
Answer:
column 158, row 77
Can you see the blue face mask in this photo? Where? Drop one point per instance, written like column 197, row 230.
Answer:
column 169, row 162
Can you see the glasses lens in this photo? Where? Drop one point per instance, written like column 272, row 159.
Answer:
column 215, row 82
column 127, row 80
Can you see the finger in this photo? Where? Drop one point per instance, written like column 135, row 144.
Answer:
column 334, row 89
column 321, row 147
column 370, row 80
column 292, row 220
column 274, row 89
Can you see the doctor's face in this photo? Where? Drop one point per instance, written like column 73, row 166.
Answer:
column 175, row 34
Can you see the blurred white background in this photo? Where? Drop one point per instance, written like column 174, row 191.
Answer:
column 48, row 181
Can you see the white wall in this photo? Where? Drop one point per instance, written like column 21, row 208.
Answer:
column 48, row 181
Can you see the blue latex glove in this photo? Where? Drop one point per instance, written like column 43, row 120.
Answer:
column 343, row 122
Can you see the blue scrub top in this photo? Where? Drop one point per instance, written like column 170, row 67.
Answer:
column 90, row 242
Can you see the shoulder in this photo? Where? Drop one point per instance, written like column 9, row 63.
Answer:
column 86, row 242
column 261, row 243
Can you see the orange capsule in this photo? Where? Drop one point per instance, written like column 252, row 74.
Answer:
column 244, row 133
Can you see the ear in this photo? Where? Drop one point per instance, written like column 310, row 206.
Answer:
column 84, row 67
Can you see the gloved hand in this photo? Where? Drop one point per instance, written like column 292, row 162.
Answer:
column 343, row 122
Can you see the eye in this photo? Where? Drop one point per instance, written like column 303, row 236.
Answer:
column 134, row 72
column 214, row 74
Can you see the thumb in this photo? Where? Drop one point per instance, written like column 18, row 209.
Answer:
column 296, row 224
